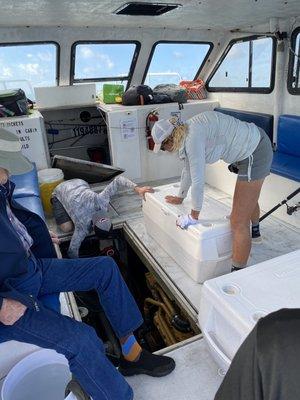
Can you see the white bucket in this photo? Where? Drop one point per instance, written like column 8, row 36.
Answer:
column 50, row 175
column 42, row 375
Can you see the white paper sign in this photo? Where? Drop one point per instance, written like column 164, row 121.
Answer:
column 129, row 128
column 31, row 132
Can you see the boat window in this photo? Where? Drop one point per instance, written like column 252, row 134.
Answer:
column 294, row 63
column 103, row 62
column 172, row 62
column 247, row 65
column 28, row 65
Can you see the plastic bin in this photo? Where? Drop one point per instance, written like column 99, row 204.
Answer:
column 48, row 180
column 232, row 304
column 111, row 92
column 43, row 375
column 203, row 251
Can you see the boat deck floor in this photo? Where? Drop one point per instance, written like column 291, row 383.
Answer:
column 278, row 238
column 196, row 377
column 126, row 212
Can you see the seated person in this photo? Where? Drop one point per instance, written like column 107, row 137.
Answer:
column 266, row 366
column 74, row 203
column 26, row 275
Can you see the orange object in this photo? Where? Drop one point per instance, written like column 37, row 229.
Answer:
column 195, row 89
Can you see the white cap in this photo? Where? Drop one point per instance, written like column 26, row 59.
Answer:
column 161, row 130
column 11, row 157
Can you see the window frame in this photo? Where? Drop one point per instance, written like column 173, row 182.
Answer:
column 265, row 90
column 292, row 57
column 57, row 45
column 211, row 46
column 127, row 78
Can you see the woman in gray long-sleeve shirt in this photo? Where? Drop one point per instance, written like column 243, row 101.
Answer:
column 74, row 203
column 204, row 139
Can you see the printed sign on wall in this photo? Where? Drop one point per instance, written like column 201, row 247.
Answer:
column 31, row 132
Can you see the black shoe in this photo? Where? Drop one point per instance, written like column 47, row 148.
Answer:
column 148, row 364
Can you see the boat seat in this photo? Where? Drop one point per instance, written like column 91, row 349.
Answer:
column 26, row 184
column 264, row 121
column 32, row 203
column 27, row 192
column 286, row 161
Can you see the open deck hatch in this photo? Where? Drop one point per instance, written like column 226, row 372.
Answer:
column 89, row 171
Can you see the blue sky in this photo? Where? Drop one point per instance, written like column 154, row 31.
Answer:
column 176, row 62
column 35, row 63
column 233, row 71
column 171, row 63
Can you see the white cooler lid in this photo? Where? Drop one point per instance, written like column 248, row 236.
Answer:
column 257, row 290
column 213, row 214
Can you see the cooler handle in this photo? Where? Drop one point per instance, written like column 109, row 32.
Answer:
column 210, row 337
column 165, row 212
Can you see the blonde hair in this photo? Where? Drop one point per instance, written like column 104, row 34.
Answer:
column 178, row 135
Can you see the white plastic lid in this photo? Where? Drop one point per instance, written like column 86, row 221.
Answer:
column 50, row 175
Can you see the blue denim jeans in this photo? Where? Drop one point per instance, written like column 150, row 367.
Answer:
column 77, row 341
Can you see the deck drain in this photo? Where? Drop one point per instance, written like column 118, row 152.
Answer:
column 221, row 372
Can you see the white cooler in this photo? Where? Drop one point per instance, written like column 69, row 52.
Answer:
column 232, row 304
column 203, row 251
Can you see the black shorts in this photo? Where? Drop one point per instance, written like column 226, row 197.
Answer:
column 60, row 214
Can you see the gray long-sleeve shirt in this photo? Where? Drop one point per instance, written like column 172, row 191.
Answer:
column 213, row 136
column 82, row 203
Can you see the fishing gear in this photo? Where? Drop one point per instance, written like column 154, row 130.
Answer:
column 290, row 209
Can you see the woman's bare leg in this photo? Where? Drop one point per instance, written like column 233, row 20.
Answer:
column 245, row 204
column 256, row 214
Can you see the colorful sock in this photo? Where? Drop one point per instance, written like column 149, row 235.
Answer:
column 131, row 350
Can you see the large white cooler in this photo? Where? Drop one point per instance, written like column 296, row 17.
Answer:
column 232, row 304
column 203, row 251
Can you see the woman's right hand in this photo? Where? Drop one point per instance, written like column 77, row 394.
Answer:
column 174, row 199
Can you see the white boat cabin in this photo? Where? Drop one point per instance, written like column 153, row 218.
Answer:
column 74, row 59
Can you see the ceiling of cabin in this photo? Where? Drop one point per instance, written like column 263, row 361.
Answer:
column 218, row 14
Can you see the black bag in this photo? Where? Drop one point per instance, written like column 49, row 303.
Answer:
column 176, row 93
column 160, row 98
column 13, row 103
column 132, row 96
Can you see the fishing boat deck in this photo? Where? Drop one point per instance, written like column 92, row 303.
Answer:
column 126, row 212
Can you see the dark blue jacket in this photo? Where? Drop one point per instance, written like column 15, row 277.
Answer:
column 14, row 265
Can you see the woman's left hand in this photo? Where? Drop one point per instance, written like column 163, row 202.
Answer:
column 143, row 190
column 54, row 237
column 174, row 200
column 184, row 221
